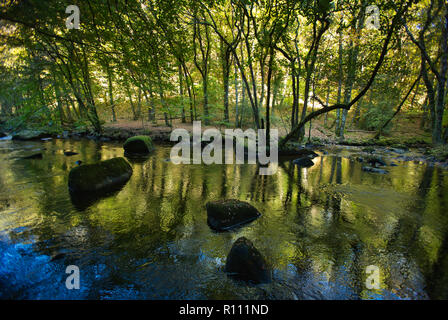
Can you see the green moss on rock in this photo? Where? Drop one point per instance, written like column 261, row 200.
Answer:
column 100, row 176
column 138, row 145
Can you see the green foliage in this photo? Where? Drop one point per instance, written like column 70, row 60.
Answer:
column 129, row 58
column 375, row 116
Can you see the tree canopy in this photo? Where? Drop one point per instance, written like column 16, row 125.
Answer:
column 261, row 64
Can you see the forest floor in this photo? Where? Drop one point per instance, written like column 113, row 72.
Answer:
column 405, row 134
column 406, row 130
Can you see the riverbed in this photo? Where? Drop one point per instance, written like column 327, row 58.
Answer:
column 321, row 227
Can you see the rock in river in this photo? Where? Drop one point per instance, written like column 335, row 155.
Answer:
column 246, row 262
column 374, row 170
column 34, row 156
column 101, row 176
column 303, row 162
column 227, row 214
column 138, row 145
column 29, row 135
column 70, row 153
column 375, row 161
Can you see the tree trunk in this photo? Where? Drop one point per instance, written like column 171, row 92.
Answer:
column 181, row 92
column 340, row 75
column 225, row 65
column 236, row 97
column 131, row 102
column 111, row 97
column 441, row 83
column 268, row 98
column 352, row 67
column 327, row 100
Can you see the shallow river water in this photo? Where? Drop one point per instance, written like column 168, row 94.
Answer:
column 320, row 228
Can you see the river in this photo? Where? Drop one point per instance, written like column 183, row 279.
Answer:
column 320, row 228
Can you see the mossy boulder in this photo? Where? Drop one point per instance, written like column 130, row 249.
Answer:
column 102, row 176
column 138, row 145
column 245, row 262
column 29, row 135
column 223, row 215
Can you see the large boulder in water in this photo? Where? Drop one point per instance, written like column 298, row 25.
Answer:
column 304, row 162
column 245, row 262
column 138, row 145
column 227, row 214
column 29, row 135
column 98, row 177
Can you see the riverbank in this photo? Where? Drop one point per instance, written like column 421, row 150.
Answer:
column 409, row 147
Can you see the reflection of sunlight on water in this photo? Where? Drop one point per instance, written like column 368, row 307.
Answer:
column 319, row 230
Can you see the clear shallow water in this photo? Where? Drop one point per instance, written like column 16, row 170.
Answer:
column 321, row 227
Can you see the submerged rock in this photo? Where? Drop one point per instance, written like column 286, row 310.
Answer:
column 70, row 153
column 227, row 214
column 29, row 135
column 374, row 170
column 138, row 145
column 405, row 158
column 375, row 161
column 368, row 149
column 399, row 150
column 245, row 262
column 101, row 176
column 33, row 156
column 303, row 162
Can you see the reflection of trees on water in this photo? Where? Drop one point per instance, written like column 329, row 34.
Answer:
column 437, row 277
column 309, row 223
